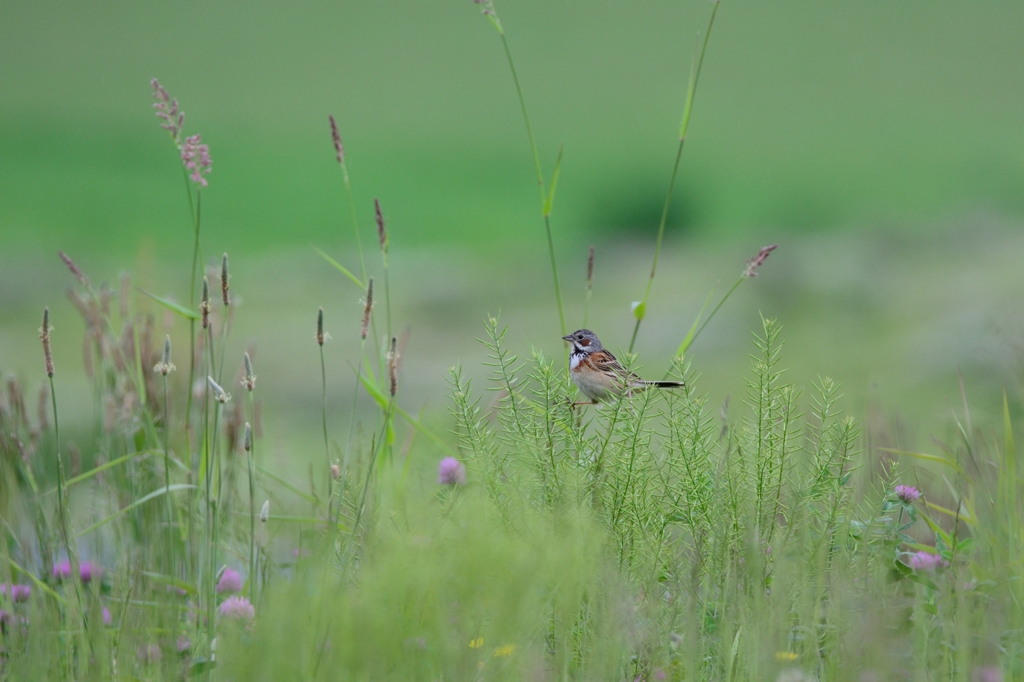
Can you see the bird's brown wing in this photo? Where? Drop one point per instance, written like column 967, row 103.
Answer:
column 606, row 362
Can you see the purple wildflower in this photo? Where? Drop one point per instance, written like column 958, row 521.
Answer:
column 167, row 111
column 62, row 570
column 907, row 493
column 107, row 619
column 237, row 608
column 926, row 561
column 230, row 581
column 88, row 570
column 196, row 157
column 16, row 592
column 451, row 472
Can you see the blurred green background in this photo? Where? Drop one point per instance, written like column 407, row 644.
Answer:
column 879, row 143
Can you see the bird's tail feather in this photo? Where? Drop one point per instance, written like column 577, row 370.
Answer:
column 665, row 384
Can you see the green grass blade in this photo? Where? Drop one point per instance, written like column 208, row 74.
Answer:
column 341, row 268
column 172, row 306
column 692, row 334
column 927, row 458
column 39, row 583
column 304, row 495
column 554, row 183
column 142, row 500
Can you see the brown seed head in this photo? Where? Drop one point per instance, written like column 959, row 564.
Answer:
column 335, row 472
column 224, row 277
column 367, row 309
column 382, row 233
column 590, row 268
column 247, row 438
column 754, row 263
column 320, row 326
column 204, row 307
column 75, row 270
column 339, row 148
column 44, row 334
column 393, row 365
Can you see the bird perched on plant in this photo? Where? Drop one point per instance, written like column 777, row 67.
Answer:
column 597, row 373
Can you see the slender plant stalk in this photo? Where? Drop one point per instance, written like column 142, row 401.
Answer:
column 62, row 509
column 327, row 447
column 167, row 481
column 545, row 198
column 640, row 310
column 192, row 300
column 252, row 506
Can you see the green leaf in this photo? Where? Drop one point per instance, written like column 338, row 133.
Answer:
column 341, row 268
column 1008, row 447
column 39, row 583
column 172, row 306
column 200, row 666
column 142, row 500
column 172, row 581
column 554, row 183
column 937, row 530
column 926, row 457
column 301, row 493
column 962, row 514
column 692, row 334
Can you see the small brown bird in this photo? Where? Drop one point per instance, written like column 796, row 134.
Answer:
column 597, row 373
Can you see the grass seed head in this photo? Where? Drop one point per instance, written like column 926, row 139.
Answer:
column 165, row 366
column 196, row 157
column 265, row 511
column 754, row 263
column 335, row 472
column 393, row 365
column 339, row 148
column 75, row 270
column 219, row 394
column 590, row 268
column 44, row 334
column 247, row 438
column 224, row 277
column 204, row 306
column 320, row 335
column 167, row 111
column 382, row 232
column 250, row 379
column 367, row 309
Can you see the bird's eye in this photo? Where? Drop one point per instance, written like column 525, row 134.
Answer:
column 579, row 337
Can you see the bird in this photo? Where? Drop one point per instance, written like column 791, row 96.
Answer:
column 597, row 373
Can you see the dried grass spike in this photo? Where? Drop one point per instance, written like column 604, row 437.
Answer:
column 367, row 309
column 44, row 334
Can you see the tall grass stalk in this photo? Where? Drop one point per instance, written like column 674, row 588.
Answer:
column 62, row 490
column 339, row 149
column 192, row 298
column 640, row 308
column 546, row 196
column 250, row 385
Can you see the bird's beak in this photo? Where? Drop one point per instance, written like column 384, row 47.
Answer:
column 567, row 338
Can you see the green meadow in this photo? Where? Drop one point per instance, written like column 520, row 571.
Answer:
column 412, row 494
